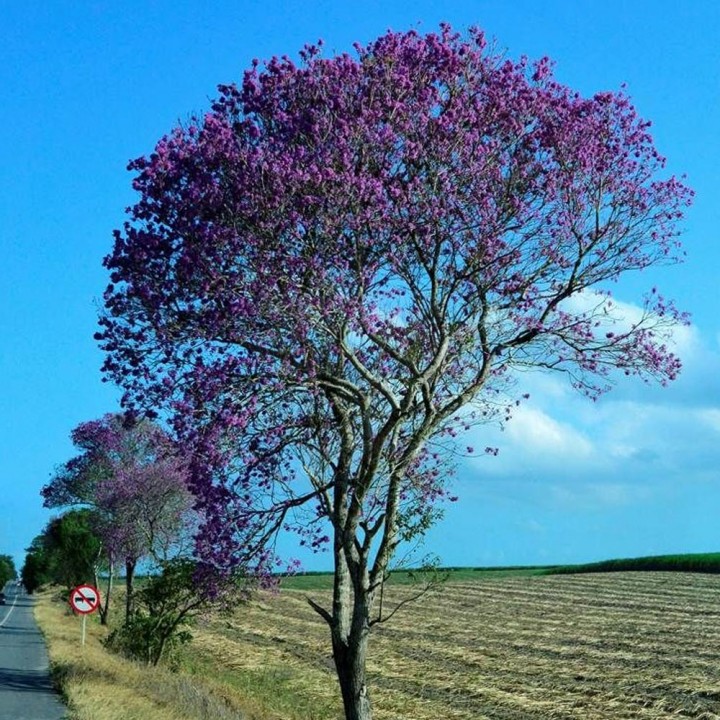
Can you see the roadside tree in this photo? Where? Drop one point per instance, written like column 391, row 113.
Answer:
column 34, row 572
column 135, row 482
column 7, row 569
column 168, row 605
column 344, row 264
column 67, row 552
column 73, row 548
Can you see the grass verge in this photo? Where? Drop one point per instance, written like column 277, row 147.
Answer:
column 99, row 685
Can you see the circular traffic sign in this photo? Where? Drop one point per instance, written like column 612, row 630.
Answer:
column 84, row 599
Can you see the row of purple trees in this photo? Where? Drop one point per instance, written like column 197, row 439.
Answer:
column 135, row 483
column 344, row 264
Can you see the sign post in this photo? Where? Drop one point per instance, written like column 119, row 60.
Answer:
column 84, row 599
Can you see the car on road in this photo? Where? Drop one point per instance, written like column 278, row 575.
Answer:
column 2, row 598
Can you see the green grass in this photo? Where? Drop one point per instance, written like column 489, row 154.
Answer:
column 268, row 692
column 697, row 562
column 324, row 580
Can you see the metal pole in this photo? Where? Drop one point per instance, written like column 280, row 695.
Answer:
column 83, row 629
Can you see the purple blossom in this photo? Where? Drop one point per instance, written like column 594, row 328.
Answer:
column 338, row 257
column 135, row 480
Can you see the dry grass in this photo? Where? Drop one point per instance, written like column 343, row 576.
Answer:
column 630, row 645
column 98, row 685
column 591, row 647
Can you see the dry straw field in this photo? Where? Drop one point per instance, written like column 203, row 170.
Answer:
column 581, row 647
column 599, row 646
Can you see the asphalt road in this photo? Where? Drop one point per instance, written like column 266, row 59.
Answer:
column 26, row 692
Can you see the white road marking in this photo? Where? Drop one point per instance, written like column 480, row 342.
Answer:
column 9, row 612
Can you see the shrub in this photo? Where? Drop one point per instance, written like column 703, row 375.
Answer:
column 163, row 610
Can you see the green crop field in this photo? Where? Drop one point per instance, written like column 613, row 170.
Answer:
column 698, row 562
column 689, row 562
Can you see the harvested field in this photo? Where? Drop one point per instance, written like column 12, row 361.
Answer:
column 596, row 647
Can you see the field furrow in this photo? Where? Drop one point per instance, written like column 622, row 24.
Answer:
column 614, row 645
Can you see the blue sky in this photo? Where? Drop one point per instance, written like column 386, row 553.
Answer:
column 86, row 86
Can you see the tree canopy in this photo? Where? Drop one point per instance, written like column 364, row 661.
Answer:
column 343, row 264
column 7, row 570
column 67, row 552
column 134, row 479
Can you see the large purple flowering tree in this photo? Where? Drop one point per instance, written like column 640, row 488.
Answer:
column 342, row 264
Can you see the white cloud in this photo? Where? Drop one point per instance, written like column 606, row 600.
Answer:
column 539, row 434
column 531, row 525
column 639, row 446
column 608, row 453
column 711, row 417
column 614, row 313
column 594, row 496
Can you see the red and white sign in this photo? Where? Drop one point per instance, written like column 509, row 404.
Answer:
column 84, row 599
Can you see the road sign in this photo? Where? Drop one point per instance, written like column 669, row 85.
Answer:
column 84, row 599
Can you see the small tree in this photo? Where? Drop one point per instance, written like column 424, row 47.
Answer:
column 7, row 570
column 342, row 265
column 132, row 478
column 166, row 606
column 66, row 552
column 34, row 572
column 73, row 548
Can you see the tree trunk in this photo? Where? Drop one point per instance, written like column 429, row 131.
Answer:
column 108, row 592
column 350, row 632
column 105, row 605
column 350, row 656
column 129, row 577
